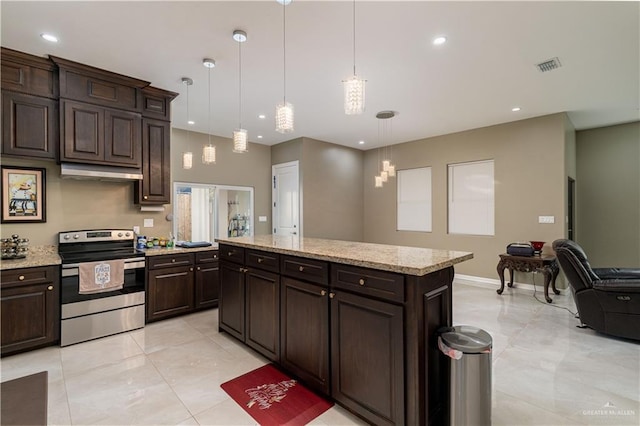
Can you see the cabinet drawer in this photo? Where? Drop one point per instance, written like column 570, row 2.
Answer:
column 28, row 276
column 231, row 254
column 207, row 256
column 370, row 282
column 263, row 260
column 155, row 262
column 315, row 271
column 28, row 74
column 156, row 103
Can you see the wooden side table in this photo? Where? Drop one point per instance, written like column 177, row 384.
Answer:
column 545, row 264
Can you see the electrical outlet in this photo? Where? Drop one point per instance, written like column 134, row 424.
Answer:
column 262, row 218
column 148, row 223
column 136, row 230
column 546, row 219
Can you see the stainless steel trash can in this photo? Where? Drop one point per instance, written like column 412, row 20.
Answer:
column 470, row 352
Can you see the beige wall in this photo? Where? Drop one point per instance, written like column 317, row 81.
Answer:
column 608, row 192
column 332, row 200
column 252, row 168
column 84, row 204
column 90, row 204
column 530, row 180
column 330, row 187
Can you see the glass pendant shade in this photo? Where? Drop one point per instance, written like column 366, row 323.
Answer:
column 391, row 170
column 378, row 181
column 209, row 154
column 240, row 140
column 384, row 176
column 187, row 160
column 354, row 95
column 284, row 117
column 385, row 165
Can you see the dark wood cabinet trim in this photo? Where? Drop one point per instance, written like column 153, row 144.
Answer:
column 29, row 74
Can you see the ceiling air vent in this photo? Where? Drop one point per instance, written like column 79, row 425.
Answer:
column 549, row 65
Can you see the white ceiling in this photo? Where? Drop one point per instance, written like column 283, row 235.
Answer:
column 486, row 67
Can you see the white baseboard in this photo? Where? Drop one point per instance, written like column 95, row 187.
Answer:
column 493, row 283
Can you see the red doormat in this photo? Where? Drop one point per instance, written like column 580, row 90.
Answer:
column 273, row 399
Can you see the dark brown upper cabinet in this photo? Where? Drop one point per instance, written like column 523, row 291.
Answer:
column 101, row 116
column 155, row 186
column 29, row 106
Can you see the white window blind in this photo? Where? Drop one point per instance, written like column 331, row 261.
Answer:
column 471, row 198
column 414, row 199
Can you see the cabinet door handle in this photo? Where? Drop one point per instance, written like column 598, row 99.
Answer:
column 361, row 282
column 146, row 197
column 322, row 293
column 198, row 268
column 231, row 253
column 301, row 269
column 50, row 288
column 332, row 295
column 191, row 269
column 173, row 261
column 21, row 277
column 260, row 260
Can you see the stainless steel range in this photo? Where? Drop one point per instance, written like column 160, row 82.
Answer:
column 103, row 284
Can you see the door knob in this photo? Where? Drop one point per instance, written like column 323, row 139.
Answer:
column 332, row 295
column 361, row 282
column 50, row 288
column 21, row 277
column 322, row 293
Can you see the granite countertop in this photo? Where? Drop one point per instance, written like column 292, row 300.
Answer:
column 48, row 256
column 36, row 256
column 160, row 251
column 406, row 260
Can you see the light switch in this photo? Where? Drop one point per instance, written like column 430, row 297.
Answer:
column 148, row 223
column 546, row 219
column 262, row 218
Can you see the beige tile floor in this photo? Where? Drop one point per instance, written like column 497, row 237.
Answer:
column 545, row 370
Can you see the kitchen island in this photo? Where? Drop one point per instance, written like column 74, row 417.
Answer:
column 355, row 321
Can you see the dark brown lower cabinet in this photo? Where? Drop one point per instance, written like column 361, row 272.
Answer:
column 232, row 291
column 207, row 280
column 170, row 292
column 304, row 319
column 262, row 312
column 30, row 306
column 367, row 357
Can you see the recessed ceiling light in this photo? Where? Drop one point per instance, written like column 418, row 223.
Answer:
column 191, row 122
column 49, row 37
column 515, row 109
column 361, row 142
column 439, row 40
column 262, row 116
column 259, row 136
column 284, row 2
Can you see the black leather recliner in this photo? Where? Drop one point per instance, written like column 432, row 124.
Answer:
column 608, row 299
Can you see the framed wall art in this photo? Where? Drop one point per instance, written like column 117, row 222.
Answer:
column 23, row 194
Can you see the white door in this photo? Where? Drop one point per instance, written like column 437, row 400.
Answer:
column 286, row 198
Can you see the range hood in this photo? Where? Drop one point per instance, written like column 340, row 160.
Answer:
column 90, row 171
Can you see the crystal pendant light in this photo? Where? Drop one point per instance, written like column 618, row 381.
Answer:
column 187, row 157
column 209, row 150
column 354, row 86
column 187, row 160
column 378, row 181
column 284, row 110
column 240, row 136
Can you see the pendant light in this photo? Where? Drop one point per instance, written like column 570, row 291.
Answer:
column 209, row 150
column 284, row 110
column 388, row 169
column 354, row 86
column 187, row 157
column 240, row 135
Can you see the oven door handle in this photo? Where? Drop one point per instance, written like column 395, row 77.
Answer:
column 71, row 270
